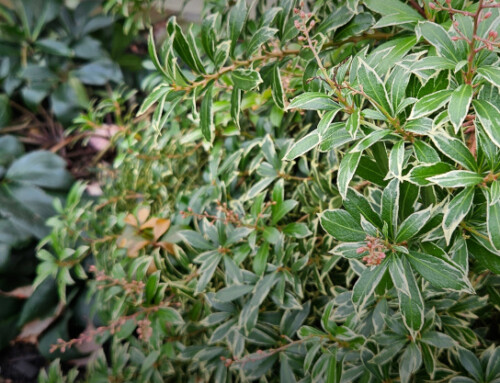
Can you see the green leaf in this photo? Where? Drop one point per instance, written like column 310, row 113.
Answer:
column 236, row 106
column 419, row 174
column 374, row 87
column 152, row 286
column 396, row 159
column 346, row 171
column 456, row 211
column 412, row 225
column 430, row 103
column 493, row 220
column 410, row 362
column 170, row 316
column 489, row 116
column 342, row 226
column 54, row 47
column 206, row 115
column 484, row 256
column 421, row 126
column 457, row 178
column 425, row 153
column 353, row 122
column 185, row 47
column 260, row 260
column 390, row 205
column 208, row 36
column 237, row 17
column 206, row 271
column 440, row 39
column 459, row 105
column 357, row 205
column 439, row 273
column 490, row 73
column 297, row 230
column 41, row 168
column 410, row 299
column 17, row 212
column 454, row 149
column 437, row 339
column 222, row 53
column 471, row 363
column 277, row 88
column 367, row 283
column 157, row 93
column 371, row 139
column 246, row 79
column 433, row 62
column 233, row 292
column 303, row 145
column 313, row 101
column 5, row 111
column 154, row 56
column 262, row 36
column 394, row 12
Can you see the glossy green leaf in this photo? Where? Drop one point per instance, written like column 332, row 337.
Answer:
column 346, row 171
column 489, row 117
column 313, row 101
column 456, row 211
column 374, row 87
column 342, row 226
column 439, row 273
column 236, row 21
column 430, row 103
column 456, row 178
column 459, row 105
column 303, row 145
column 206, row 115
column 493, row 221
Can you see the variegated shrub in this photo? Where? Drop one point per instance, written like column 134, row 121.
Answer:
column 330, row 173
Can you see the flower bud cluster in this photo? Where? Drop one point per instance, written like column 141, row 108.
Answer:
column 376, row 251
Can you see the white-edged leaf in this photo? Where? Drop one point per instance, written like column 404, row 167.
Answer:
column 456, row 178
column 459, row 105
column 440, row 274
column 490, row 73
column 494, row 224
column 456, row 211
column 313, row 101
column 412, row 225
column 367, row 283
column 440, row 39
column 489, row 116
column 303, row 145
column 342, row 226
column 430, row 103
column 347, row 168
column 454, row 149
column 373, row 86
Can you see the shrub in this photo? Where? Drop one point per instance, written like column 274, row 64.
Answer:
column 316, row 199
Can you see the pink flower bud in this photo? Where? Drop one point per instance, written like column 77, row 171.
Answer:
column 432, row 6
column 487, row 15
column 455, row 38
column 493, row 34
column 448, row 2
